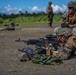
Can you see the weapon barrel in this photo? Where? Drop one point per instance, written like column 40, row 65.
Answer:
column 19, row 40
column 30, row 41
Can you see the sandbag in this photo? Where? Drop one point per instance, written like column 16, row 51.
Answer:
column 46, row 59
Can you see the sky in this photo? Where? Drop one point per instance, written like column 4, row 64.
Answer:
column 14, row 6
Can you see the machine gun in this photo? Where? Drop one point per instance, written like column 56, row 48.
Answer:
column 51, row 39
column 43, row 43
column 32, row 41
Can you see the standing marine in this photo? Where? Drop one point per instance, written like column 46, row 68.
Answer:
column 50, row 14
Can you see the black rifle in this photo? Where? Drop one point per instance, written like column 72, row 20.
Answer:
column 41, row 41
column 31, row 41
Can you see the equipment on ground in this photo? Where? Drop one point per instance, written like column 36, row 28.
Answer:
column 10, row 27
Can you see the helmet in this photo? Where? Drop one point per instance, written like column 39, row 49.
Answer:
column 64, row 32
column 71, row 4
column 74, row 31
column 49, row 2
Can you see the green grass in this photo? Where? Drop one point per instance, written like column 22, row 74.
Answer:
column 32, row 19
column 57, row 18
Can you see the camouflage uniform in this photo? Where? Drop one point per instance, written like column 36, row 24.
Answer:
column 68, row 18
column 69, row 47
column 50, row 14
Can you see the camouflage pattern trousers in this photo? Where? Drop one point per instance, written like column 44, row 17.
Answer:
column 50, row 20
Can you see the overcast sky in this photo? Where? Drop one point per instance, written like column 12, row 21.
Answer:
column 14, row 6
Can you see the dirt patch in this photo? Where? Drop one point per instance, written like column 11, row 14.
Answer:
column 10, row 65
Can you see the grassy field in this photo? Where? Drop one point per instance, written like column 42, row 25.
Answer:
column 31, row 19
